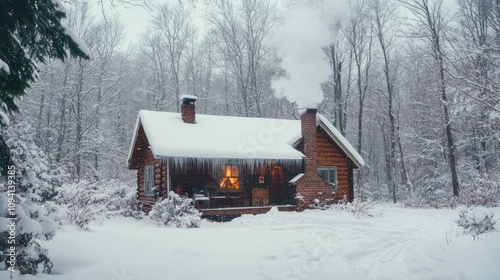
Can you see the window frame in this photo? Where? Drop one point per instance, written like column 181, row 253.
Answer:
column 149, row 180
column 334, row 186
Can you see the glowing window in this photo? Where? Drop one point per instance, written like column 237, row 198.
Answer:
column 230, row 178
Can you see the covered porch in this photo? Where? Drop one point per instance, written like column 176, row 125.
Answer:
column 222, row 188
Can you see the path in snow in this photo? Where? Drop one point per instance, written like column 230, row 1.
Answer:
column 395, row 244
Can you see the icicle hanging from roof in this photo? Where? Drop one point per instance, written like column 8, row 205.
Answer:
column 213, row 165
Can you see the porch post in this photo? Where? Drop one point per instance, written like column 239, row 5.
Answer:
column 168, row 176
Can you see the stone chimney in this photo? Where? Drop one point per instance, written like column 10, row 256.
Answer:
column 188, row 112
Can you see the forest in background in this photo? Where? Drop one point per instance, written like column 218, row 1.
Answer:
column 414, row 87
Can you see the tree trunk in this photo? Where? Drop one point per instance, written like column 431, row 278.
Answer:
column 448, row 127
column 433, row 19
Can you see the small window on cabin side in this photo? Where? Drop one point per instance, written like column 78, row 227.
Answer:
column 149, row 179
column 329, row 174
column 230, row 178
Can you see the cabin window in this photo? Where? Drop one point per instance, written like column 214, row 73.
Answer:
column 230, row 178
column 329, row 174
column 149, row 179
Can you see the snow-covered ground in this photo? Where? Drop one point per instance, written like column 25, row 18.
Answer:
column 396, row 243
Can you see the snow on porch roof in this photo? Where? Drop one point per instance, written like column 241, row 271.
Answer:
column 219, row 136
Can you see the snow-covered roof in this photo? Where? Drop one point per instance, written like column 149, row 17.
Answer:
column 187, row 96
column 340, row 140
column 219, row 136
column 225, row 137
column 296, row 178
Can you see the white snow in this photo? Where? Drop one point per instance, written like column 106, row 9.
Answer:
column 25, row 224
column 296, row 178
column 4, row 66
column 224, row 137
column 4, row 119
column 396, row 243
column 83, row 47
column 188, row 97
column 59, row 6
column 220, row 136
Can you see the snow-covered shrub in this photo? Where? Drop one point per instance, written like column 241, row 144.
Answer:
column 55, row 211
column 83, row 202
column 480, row 192
column 31, row 228
column 175, row 212
column 300, row 200
column 356, row 207
column 35, row 180
column 319, row 205
column 432, row 189
column 371, row 191
column 438, row 197
column 476, row 221
column 361, row 208
column 122, row 198
column 36, row 177
column 33, row 257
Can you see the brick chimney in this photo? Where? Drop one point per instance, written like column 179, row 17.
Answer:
column 188, row 112
column 308, row 128
column 311, row 186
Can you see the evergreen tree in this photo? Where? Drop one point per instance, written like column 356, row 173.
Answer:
column 30, row 32
column 36, row 178
column 35, row 182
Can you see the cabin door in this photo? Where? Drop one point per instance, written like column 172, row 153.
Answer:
column 276, row 187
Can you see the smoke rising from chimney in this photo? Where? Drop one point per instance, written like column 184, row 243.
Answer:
column 300, row 41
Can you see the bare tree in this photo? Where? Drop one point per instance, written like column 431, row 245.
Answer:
column 359, row 35
column 240, row 31
column 108, row 37
column 199, row 71
column 80, row 20
column 432, row 17
column 385, row 21
column 176, row 30
column 156, row 85
column 335, row 53
column 476, row 79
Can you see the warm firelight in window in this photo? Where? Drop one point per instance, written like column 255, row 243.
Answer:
column 230, row 179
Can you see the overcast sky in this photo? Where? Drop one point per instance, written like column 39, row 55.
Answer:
column 136, row 18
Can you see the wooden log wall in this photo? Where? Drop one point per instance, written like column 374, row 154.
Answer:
column 329, row 154
column 145, row 201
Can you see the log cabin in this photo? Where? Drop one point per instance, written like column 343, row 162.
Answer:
column 236, row 165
